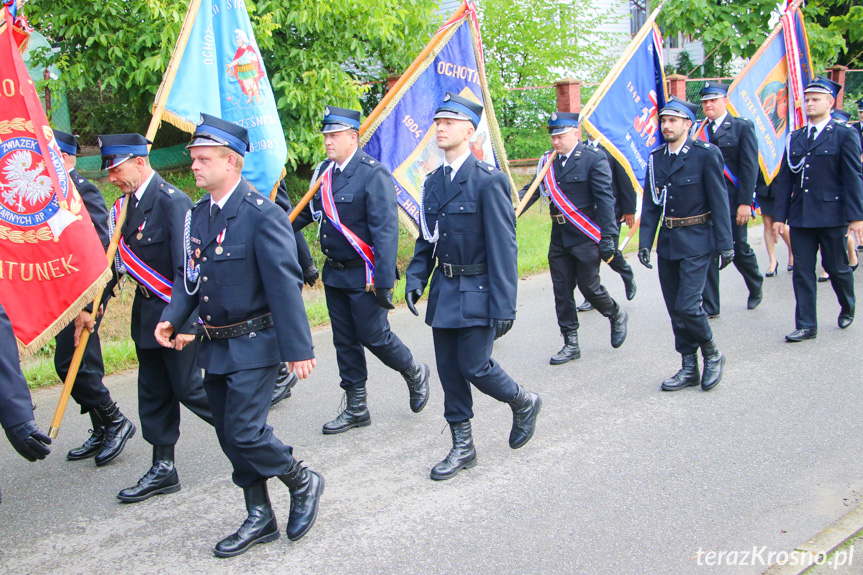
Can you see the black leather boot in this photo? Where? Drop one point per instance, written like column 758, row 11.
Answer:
column 356, row 414
column 93, row 444
column 461, row 456
column 570, row 349
column 525, row 408
column 284, row 382
column 618, row 328
column 118, row 430
column 713, row 362
column 306, row 487
column 688, row 375
column 259, row 527
column 417, row 378
column 162, row 477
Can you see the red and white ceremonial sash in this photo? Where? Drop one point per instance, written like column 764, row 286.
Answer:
column 575, row 216
column 363, row 249
column 701, row 134
column 143, row 274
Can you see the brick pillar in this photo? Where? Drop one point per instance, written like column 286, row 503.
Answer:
column 837, row 74
column 391, row 81
column 568, row 95
column 677, row 85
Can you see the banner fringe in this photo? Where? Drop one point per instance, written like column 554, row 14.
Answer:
column 178, row 122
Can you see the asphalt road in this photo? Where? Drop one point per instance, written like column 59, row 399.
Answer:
column 620, row 477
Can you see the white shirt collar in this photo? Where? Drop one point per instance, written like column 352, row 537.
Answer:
column 348, row 161
column 457, row 163
column 818, row 127
column 221, row 203
column 718, row 122
column 139, row 193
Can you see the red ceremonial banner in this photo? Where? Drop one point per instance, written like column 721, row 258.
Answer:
column 52, row 263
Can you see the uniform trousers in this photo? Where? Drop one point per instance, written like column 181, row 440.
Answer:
column 357, row 322
column 682, row 283
column 804, row 245
column 745, row 262
column 463, row 357
column 241, row 402
column 577, row 266
column 167, row 378
column 89, row 391
column 618, row 264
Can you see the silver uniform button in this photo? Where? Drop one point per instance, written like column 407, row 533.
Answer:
column 204, row 279
column 206, row 298
column 209, row 318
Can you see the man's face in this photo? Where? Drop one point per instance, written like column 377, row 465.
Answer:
column 860, row 115
column 340, row 145
column 451, row 133
column 564, row 143
column 69, row 161
column 209, row 167
column 128, row 176
column 674, row 128
column 715, row 107
column 818, row 105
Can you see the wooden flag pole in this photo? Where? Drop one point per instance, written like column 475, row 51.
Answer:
column 532, row 189
column 631, row 233
column 85, row 335
column 373, row 116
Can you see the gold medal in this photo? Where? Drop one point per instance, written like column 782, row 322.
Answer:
column 198, row 253
column 219, row 250
column 140, row 235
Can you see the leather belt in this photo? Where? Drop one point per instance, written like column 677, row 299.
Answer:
column 142, row 289
column 561, row 219
column 237, row 329
column 672, row 223
column 452, row 270
column 337, row 265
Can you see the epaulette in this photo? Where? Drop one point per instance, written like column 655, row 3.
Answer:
column 204, row 198
column 701, row 143
column 258, row 201
column 660, row 148
column 487, row 167
column 591, row 148
column 366, row 159
column 168, row 190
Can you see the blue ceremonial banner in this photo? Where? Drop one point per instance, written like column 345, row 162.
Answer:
column 221, row 72
column 402, row 137
column 624, row 111
column 765, row 92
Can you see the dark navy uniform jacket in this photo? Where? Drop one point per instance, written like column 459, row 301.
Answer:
column 858, row 127
column 694, row 181
column 15, row 406
column 256, row 273
column 162, row 211
column 827, row 192
column 304, row 254
column 735, row 138
column 94, row 201
column 365, row 199
column 586, row 181
column 625, row 198
column 476, row 223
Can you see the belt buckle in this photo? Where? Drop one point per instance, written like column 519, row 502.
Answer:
column 339, row 266
column 207, row 332
column 447, row 269
column 669, row 223
column 144, row 291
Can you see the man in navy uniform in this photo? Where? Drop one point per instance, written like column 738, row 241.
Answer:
column 625, row 206
column 468, row 224
column 89, row 390
column 241, row 269
column 151, row 249
column 584, row 229
column 359, row 230
column 16, row 409
column 685, row 198
column 819, row 193
column 859, row 125
column 735, row 138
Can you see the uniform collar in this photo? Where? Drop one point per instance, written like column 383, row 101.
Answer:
column 818, row 127
column 720, row 120
column 342, row 167
column 139, row 193
column 457, row 163
column 221, row 203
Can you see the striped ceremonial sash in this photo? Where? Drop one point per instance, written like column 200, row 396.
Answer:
column 363, row 249
column 701, row 134
column 575, row 216
column 143, row 274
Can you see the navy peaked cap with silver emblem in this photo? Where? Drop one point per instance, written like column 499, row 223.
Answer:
column 67, row 143
column 339, row 120
column 841, row 116
column 562, row 122
column 860, row 105
column 713, row 90
column 117, row 148
column 458, row 108
column 213, row 131
column 680, row 108
column 822, row 85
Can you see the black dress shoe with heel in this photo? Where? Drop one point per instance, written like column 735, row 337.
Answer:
column 801, row 335
column 772, row 273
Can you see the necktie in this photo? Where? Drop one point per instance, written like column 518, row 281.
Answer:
column 447, row 173
column 337, row 171
column 812, row 132
column 214, row 211
column 712, row 129
column 563, row 161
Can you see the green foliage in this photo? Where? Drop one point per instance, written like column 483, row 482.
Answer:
column 684, row 64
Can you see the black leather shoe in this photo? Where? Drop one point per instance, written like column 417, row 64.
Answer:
column 586, row 306
column 259, row 527
column 525, row 408
column 356, row 414
column 461, row 456
column 618, row 328
column 306, row 487
column 118, row 430
column 417, row 378
column 630, row 289
column 822, row 279
column 801, row 334
column 283, row 387
column 93, row 444
column 570, row 349
column 754, row 300
column 773, row 272
column 688, row 375
column 714, row 362
column 162, row 477
column 845, row 319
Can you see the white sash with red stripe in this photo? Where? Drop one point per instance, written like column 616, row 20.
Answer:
column 143, row 274
column 575, row 216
